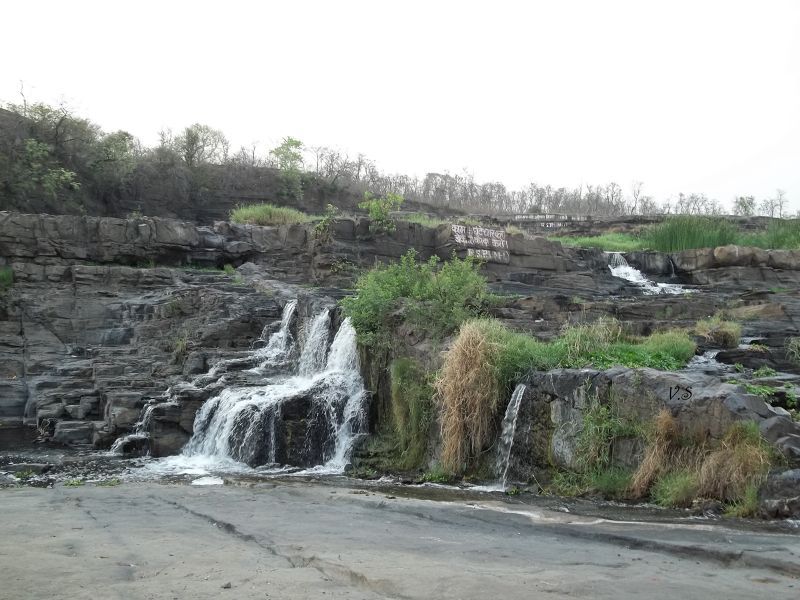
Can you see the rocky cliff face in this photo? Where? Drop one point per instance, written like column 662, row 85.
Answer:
column 105, row 314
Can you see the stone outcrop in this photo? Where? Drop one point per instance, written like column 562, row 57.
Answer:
column 554, row 406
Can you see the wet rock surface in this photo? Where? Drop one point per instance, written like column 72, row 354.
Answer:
column 285, row 539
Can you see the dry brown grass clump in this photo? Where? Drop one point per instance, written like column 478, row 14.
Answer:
column 467, row 393
column 717, row 330
column 659, row 454
column 742, row 460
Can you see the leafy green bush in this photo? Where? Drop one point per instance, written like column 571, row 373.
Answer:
column 433, row 297
column 412, row 409
column 764, row 371
column 379, row 209
column 322, row 230
column 268, row 214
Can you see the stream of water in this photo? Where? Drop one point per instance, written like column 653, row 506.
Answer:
column 620, row 268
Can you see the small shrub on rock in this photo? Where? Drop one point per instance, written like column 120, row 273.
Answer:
column 718, row 331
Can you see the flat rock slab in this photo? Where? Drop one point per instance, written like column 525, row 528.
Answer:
column 303, row 540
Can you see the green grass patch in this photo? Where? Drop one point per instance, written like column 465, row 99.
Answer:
column 747, row 505
column 268, row 214
column 675, row 489
column 688, row 232
column 764, row 371
column 793, row 349
column 610, row 242
column 601, row 344
column 438, row 474
column 113, row 482
column 6, row 278
column 74, row 483
column 412, row 410
column 613, row 483
column 719, row 331
column 780, row 234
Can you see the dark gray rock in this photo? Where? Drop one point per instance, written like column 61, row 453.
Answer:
column 73, row 432
column 779, row 497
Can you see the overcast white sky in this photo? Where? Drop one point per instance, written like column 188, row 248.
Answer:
column 697, row 96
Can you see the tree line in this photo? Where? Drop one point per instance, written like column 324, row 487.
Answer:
column 53, row 160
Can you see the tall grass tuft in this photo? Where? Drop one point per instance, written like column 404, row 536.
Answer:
column 662, row 439
column 742, row 460
column 780, row 233
column 268, row 214
column 467, row 392
column 412, row 409
column 719, row 331
column 687, row 232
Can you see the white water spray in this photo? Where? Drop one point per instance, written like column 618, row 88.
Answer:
column 506, row 441
column 620, row 268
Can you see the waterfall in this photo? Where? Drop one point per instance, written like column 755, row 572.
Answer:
column 615, row 259
column 506, row 441
column 280, row 344
column 312, row 358
column 257, row 425
column 620, row 268
column 140, row 430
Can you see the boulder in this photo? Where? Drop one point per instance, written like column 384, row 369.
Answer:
column 779, row 497
column 73, row 432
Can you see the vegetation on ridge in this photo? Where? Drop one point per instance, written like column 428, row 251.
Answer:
column 268, row 214
column 688, row 232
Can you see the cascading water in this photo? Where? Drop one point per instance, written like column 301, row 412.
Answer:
column 620, row 268
column 312, row 358
column 258, row 425
column 280, row 343
column 506, row 441
column 140, row 431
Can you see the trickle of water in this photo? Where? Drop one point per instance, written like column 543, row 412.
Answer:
column 506, row 441
column 140, row 430
column 312, row 358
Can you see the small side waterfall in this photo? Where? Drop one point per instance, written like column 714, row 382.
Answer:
column 140, row 433
column 620, row 268
column 615, row 259
column 506, row 441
